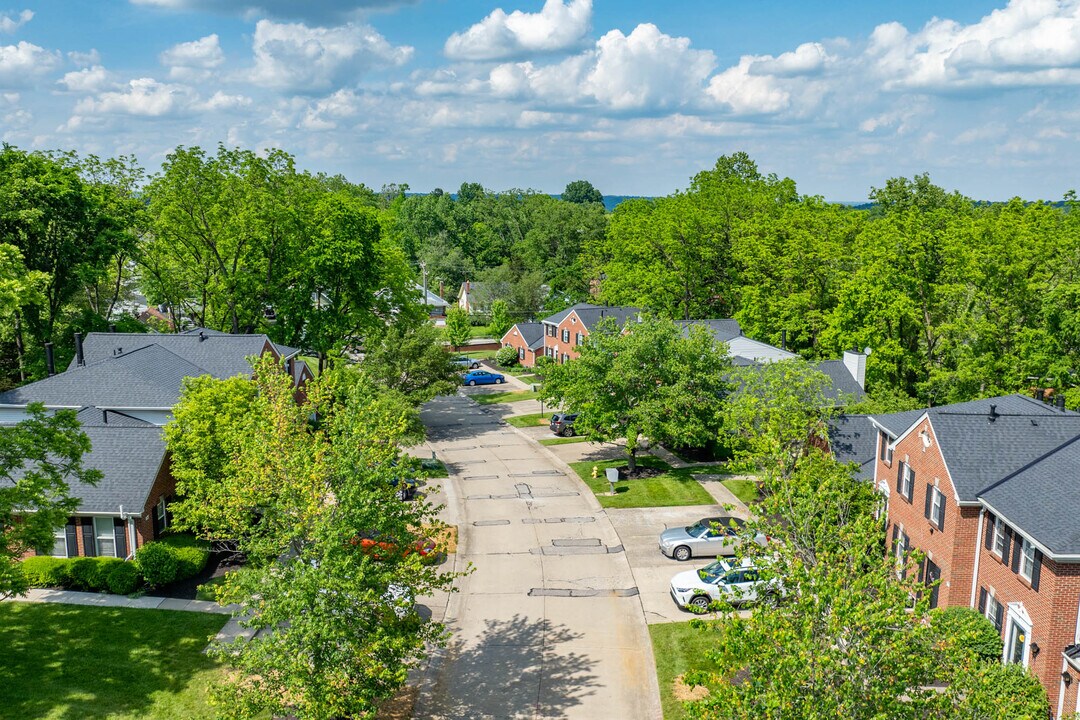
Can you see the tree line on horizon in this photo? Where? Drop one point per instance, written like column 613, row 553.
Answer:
column 955, row 299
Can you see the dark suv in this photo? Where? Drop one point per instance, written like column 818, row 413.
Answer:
column 563, row 424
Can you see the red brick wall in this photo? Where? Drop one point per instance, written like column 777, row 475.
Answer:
column 1052, row 609
column 513, row 339
column 571, row 323
column 164, row 484
column 951, row 549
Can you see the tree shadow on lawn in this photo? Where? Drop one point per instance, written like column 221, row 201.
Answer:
column 68, row 662
column 513, row 669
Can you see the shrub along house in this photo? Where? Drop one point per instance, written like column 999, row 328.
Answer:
column 123, row 387
column 528, row 339
column 987, row 490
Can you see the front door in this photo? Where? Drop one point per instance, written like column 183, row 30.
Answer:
column 933, row 575
column 1016, row 643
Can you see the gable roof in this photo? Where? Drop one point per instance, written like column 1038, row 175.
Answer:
column 1042, row 498
column 531, row 332
column 216, row 353
column 852, row 439
column 591, row 315
column 128, row 453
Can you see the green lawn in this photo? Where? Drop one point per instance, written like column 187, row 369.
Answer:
column 528, row 421
column 505, row 397
column 678, row 649
column 67, row 661
column 745, row 490
column 674, row 487
column 433, row 468
column 563, row 441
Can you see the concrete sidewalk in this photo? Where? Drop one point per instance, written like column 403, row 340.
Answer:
column 145, row 602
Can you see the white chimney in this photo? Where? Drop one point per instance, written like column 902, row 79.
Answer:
column 855, row 362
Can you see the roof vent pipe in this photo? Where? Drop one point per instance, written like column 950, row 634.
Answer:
column 993, row 413
column 1060, row 399
column 80, row 359
column 1040, row 394
column 202, row 336
column 50, row 363
column 112, row 327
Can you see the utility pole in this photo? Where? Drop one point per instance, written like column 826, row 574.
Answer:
column 423, row 272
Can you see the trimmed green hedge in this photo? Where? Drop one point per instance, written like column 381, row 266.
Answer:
column 89, row 574
column 172, row 558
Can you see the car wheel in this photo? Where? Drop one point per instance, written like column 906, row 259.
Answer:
column 682, row 553
column 700, row 602
column 498, row 381
column 472, row 383
column 475, row 366
column 567, row 432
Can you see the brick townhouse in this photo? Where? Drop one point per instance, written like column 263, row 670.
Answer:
column 987, row 491
column 123, row 387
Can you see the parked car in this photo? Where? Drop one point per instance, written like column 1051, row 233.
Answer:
column 482, row 377
column 406, row 489
column 707, row 537
column 722, row 580
column 466, row 362
column 563, row 424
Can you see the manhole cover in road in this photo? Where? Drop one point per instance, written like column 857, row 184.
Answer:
column 487, row 523
column 582, row 592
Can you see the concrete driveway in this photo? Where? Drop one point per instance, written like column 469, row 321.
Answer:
column 551, row 623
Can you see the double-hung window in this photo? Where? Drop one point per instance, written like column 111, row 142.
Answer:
column 1027, row 560
column 579, row 339
column 59, row 548
column 104, row 536
column 999, row 537
column 994, row 611
column 937, row 508
column 566, row 335
column 907, row 481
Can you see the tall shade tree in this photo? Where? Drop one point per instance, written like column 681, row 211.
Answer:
column 20, row 293
column 40, row 457
column 410, row 361
column 336, row 622
column 581, row 192
column 500, row 320
column 458, row 330
column 647, row 380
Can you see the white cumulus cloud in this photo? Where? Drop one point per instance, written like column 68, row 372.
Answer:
column 558, row 26
column 141, row 97
column 293, row 56
column 10, row 24
column 87, row 80
column 1026, row 43
column 193, row 60
column 24, row 62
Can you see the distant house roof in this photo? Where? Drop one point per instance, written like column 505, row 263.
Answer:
column 531, row 332
column 723, row 329
column 852, row 439
column 128, row 453
column 756, row 351
column 219, row 354
column 842, row 386
column 591, row 315
column 430, row 298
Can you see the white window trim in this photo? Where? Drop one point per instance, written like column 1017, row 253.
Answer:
column 937, row 507
column 992, row 604
column 999, row 534
column 1027, row 559
column 98, row 536
column 60, row 538
column 907, row 482
column 1014, row 620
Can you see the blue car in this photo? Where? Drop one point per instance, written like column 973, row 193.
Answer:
column 482, row 377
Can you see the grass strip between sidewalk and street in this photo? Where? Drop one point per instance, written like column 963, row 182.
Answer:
column 64, row 661
column 678, row 649
column 743, row 488
column 668, row 489
column 563, row 440
column 505, row 397
column 531, row 420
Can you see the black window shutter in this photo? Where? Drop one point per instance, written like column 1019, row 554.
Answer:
column 997, row 616
column 120, row 533
column 168, row 513
column 929, row 498
column 1035, row 571
column 1007, row 546
column 941, row 517
column 906, row 545
column 895, row 535
column 1017, row 551
column 900, row 476
column 911, row 488
column 72, row 540
column 989, row 540
column 982, row 601
column 89, row 546
column 922, row 570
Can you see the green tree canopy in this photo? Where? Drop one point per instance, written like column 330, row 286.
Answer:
column 581, row 192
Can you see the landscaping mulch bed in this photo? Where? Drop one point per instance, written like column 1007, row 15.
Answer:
column 641, row 472
column 217, row 565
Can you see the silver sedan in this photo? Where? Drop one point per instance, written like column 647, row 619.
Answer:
column 707, row 537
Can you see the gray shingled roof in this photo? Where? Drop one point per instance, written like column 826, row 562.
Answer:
column 1042, row 498
column 532, row 333
column 128, row 455
column 842, row 385
column 723, row 329
column 1015, row 404
column 852, row 439
column 591, row 314
column 148, row 377
column 218, row 354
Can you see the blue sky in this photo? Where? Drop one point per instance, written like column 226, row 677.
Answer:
column 633, row 95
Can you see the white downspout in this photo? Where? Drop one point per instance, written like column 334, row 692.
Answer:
column 978, row 552
column 131, row 537
column 1065, row 666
